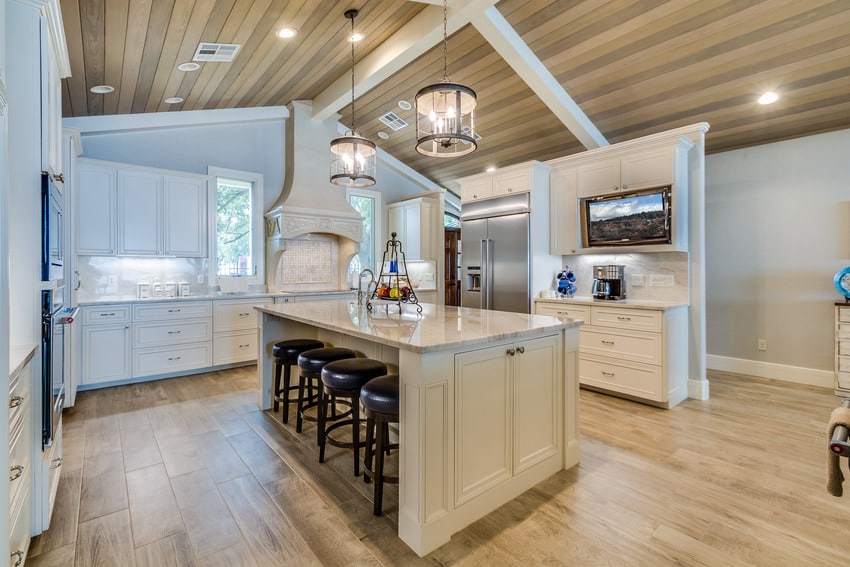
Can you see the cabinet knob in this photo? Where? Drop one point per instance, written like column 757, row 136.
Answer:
column 615, row 187
column 510, row 190
column 474, row 196
column 625, row 186
column 520, row 349
column 20, row 558
column 511, row 351
column 15, row 401
column 15, row 472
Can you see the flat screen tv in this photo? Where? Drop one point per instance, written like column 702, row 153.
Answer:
column 629, row 219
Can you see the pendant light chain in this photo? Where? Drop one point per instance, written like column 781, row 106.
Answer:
column 445, row 41
column 351, row 39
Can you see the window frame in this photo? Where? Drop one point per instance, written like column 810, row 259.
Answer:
column 257, row 222
column 378, row 223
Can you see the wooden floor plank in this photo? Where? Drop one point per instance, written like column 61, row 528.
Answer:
column 264, row 463
column 59, row 557
column 139, row 447
column 107, row 540
column 179, row 454
column 172, row 551
column 209, row 524
column 153, row 510
column 103, row 489
column 218, row 455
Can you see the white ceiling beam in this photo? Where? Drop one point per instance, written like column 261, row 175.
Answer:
column 414, row 39
column 508, row 43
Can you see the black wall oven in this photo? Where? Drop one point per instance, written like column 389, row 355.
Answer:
column 52, row 232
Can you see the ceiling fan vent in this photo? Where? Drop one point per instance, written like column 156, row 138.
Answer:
column 393, row 120
column 218, row 52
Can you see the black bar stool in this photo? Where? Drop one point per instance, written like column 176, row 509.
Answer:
column 310, row 364
column 380, row 403
column 285, row 354
column 343, row 379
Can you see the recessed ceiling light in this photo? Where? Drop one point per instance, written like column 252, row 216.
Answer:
column 356, row 37
column 768, row 98
column 173, row 100
column 285, row 33
column 102, row 89
column 404, row 105
column 383, row 135
column 491, row 169
column 188, row 67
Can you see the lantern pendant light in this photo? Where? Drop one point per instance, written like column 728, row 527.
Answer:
column 445, row 113
column 353, row 158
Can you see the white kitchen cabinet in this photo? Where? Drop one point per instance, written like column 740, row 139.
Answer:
column 842, row 349
column 631, row 172
column 51, row 105
column 138, row 211
column 96, row 196
column 426, row 295
column 515, row 179
column 235, row 325
column 564, row 228
column 21, row 445
column 561, row 308
column 506, row 407
column 411, row 220
column 106, row 353
column 171, row 336
column 639, row 353
column 139, row 206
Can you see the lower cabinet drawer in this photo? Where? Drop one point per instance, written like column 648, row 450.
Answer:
column 633, row 346
column 169, row 333
column 573, row 311
column 235, row 347
column 639, row 380
column 844, row 380
column 844, row 347
column 20, row 460
column 844, row 363
column 151, row 361
column 844, row 314
column 19, row 528
column 631, row 319
column 844, row 331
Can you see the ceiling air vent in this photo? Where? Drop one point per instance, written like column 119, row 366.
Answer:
column 466, row 130
column 219, row 52
column 393, row 120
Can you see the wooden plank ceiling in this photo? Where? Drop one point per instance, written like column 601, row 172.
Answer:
column 635, row 67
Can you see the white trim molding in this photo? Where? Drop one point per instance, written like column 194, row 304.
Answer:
column 155, row 120
column 786, row 373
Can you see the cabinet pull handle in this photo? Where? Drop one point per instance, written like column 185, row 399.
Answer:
column 244, row 346
column 511, row 351
column 174, row 332
column 474, row 196
column 58, row 464
column 15, row 472
column 244, row 314
column 604, row 342
column 621, row 318
column 611, row 374
column 108, row 314
column 520, row 349
column 615, row 187
column 625, row 186
column 173, row 358
column 15, row 401
column 20, row 560
column 510, row 190
column 174, row 311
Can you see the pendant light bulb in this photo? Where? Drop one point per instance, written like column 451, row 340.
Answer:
column 445, row 113
column 353, row 159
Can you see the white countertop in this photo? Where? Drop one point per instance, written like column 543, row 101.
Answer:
column 439, row 327
column 208, row 296
column 627, row 303
column 18, row 358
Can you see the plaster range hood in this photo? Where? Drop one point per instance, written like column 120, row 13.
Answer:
column 309, row 205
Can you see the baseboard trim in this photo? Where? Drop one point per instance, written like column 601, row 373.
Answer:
column 698, row 389
column 786, row 373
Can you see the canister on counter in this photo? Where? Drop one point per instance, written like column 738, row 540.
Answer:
column 143, row 290
column 170, row 289
column 184, row 289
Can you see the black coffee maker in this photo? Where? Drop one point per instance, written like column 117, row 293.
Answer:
column 609, row 282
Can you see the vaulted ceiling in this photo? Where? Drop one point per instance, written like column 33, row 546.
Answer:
column 552, row 76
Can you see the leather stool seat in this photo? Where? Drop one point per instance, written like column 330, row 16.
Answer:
column 380, row 399
column 285, row 354
column 310, row 364
column 341, row 383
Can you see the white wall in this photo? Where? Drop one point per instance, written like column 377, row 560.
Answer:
column 777, row 230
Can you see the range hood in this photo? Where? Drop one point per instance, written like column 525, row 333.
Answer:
column 309, row 204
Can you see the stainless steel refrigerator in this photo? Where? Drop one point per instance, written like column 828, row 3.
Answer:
column 496, row 254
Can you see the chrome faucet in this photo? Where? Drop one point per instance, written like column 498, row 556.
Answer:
column 362, row 273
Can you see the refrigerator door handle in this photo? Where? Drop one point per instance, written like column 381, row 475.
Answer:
column 485, row 282
column 487, row 268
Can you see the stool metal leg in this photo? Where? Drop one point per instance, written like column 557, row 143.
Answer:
column 276, row 388
column 323, row 416
column 370, row 439
column 379, row 470
column 286, row 378
column 299, row 420
column 355, row 433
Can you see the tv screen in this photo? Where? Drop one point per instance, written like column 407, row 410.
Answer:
column 622, row 220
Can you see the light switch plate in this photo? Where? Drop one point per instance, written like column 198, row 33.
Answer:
column 638, row 280
column 661, row 280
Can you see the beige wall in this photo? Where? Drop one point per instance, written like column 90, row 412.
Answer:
column 777, row 230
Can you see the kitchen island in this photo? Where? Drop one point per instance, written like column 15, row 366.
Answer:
column 489, row 400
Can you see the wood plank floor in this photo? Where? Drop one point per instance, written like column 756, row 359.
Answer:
column 187, row 471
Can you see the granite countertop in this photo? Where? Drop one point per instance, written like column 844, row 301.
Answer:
column 103, row 299
column 627, row 303
column 437, row 328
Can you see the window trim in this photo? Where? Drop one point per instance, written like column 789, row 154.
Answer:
column 257, row 224
column 378, row 220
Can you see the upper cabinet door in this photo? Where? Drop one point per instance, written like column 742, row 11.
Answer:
column 139, row 197
column 647, row 169
column 184, row 216
column 473, row 190
column 598, row 178
column 96, row 196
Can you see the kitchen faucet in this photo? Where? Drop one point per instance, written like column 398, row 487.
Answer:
column 362, row 273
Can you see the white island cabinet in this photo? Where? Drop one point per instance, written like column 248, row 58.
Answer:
column 488, row 408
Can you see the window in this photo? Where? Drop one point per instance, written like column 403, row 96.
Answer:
column 450, row 221
column 368, row 204
column 236, row 238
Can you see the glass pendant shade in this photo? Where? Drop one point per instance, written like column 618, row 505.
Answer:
column 354, row 161
column 445, row 120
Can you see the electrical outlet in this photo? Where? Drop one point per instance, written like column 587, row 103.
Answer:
column 661, row 280
column 200, row 279
column 762, row 344
column 638, row 280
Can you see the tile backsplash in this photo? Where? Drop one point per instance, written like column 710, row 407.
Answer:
column 655, row 267
column 105, row 276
